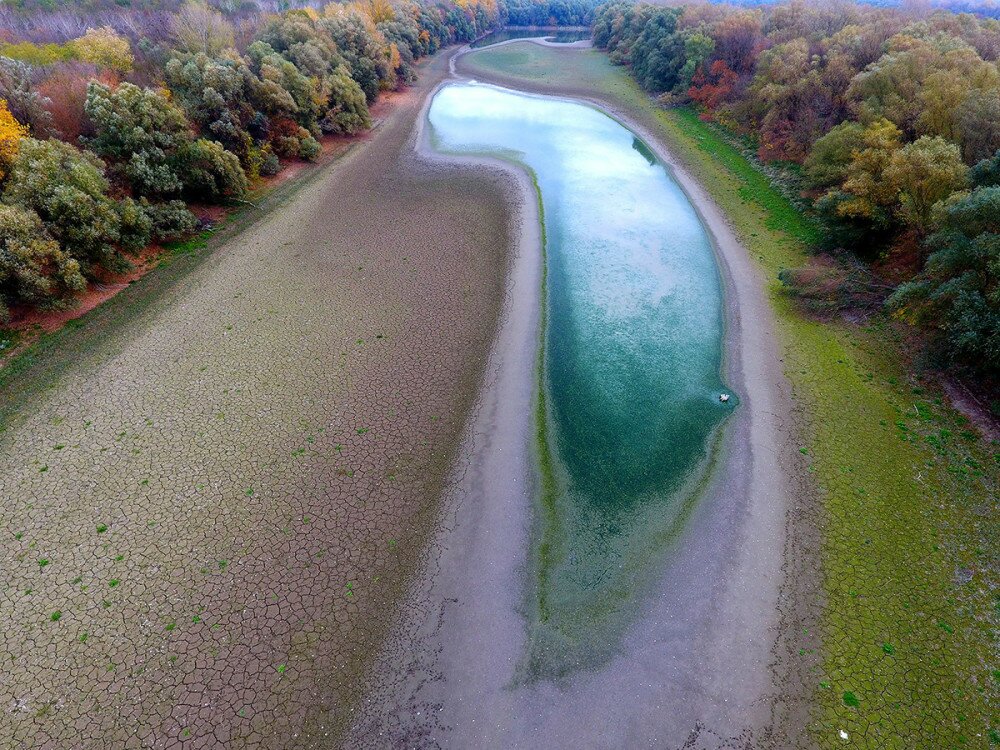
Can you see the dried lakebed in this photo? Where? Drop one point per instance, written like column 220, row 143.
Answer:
column 607, row 572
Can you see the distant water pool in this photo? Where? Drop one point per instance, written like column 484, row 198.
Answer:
column 559, row 36
column 629, row 373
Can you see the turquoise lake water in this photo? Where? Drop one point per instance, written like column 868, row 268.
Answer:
column 629, row 362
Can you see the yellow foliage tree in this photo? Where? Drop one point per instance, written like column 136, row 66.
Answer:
column 865, row 181
column 105, row 48
column 377, row 10
column 11, row 133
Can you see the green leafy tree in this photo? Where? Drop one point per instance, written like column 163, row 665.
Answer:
column 210, row 173
column 958, row 292
column 869, row 195
column 33, row 268
column 149, row 137
column 986, row 173
column 67, row 189
column 141, row 130
column 219, row 95
column 831, row 155
column 363, row 47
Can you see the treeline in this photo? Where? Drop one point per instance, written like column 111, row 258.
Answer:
column 105, row 139
column 892, row 122
column 550, row 12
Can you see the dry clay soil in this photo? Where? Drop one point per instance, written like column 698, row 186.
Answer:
column 209, row 513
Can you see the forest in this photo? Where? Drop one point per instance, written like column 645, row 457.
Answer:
column 885, row 122
column 109, row 134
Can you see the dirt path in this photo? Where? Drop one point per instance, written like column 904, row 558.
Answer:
column 701, row 668
column 212, row 498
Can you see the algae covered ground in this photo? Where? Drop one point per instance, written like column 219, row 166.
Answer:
column 895, row 645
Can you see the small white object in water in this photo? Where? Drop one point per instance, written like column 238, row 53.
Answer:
column 843, row 735
column 723, row 397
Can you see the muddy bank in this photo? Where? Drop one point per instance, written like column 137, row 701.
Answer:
column 698, row 667
column 220, row 482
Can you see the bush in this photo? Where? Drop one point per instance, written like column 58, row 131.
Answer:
column 270, row 164
column 211, row 173
column 170, row 220
column 33, row 269
column 68, row 191
column 136, row 228
column 309, row 148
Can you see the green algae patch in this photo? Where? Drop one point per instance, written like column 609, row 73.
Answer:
column 907, row 493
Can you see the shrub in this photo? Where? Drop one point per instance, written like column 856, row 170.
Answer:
column 33, row 269
column 136, row 227
column 68, row 191
column 211, row 173
column 169, row 220
column 269, row 164
column 141, row 130
column 309, row 148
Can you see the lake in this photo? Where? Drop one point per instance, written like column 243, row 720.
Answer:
column 629, row 362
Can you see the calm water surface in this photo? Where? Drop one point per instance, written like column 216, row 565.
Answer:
column 629, row 375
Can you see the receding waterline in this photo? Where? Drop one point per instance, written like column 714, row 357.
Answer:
column 629, row 362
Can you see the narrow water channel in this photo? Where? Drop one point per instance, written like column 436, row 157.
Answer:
column 629, row 365
column 554, row 35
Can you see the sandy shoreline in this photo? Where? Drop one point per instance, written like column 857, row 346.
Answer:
column 686, row 652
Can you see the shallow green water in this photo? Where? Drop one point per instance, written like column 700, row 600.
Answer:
column 629, row 375
column 559, row 36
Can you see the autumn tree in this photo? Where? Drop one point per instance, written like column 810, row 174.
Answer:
column 11, row 133
column 925, row 172
column 105, row 48
column 197, row 28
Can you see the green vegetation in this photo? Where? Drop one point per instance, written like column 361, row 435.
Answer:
column 204, row 112
column 901, row 477
column 886, row 110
